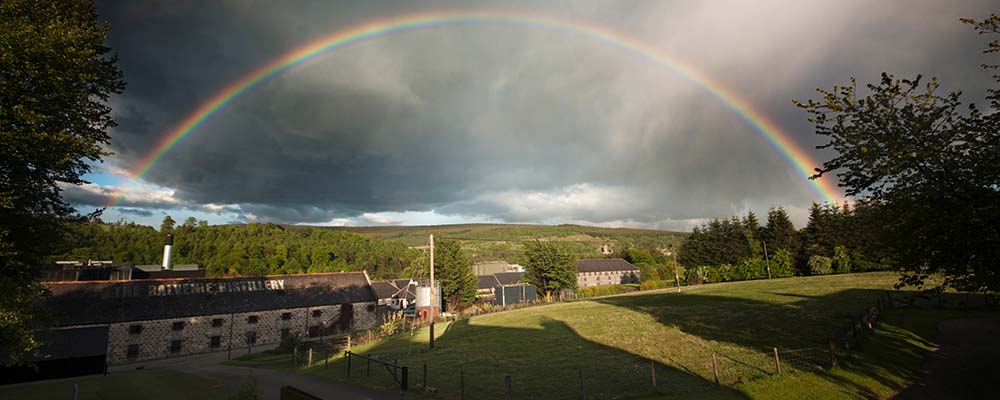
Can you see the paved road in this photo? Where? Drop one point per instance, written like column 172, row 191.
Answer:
column 965, row 365
column 269, row 382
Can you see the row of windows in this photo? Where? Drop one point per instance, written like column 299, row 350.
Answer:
column 215, row 342
column 218, row 322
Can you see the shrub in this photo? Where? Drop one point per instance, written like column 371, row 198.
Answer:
column 841, row 260
column 819, row 265
column 781, row 264
column 660, row 284
column 287, row 344
column 607, row 290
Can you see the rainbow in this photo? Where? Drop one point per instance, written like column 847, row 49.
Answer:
column 797, row 157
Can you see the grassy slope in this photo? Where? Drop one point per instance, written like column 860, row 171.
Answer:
column 149, row 385
column 614, row 340
column 505, row 241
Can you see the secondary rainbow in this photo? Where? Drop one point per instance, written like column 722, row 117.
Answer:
column 799, row 159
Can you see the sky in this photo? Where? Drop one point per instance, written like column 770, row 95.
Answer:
column 495, row 122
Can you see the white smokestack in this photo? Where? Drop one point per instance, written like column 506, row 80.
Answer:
column 168, row 245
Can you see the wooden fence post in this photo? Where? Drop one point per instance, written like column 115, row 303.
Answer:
column 833, row 352
column 777, row 361
column 348, row 354
column 348, row 342
column 582, row 393
column 310, row 356
column 715, row 368
column 652, row 368
column 507, row 383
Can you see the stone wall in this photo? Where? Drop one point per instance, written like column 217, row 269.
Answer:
column 160, row 338
column 584, row 279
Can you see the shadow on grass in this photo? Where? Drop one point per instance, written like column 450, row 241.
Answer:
column 545, row 361
column 890, row 357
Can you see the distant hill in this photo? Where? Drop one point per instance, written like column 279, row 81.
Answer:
column 487, row 242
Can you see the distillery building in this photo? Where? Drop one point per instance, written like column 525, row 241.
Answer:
column 147, row 319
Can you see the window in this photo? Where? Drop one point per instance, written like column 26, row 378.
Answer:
column 317, row 313
column 215, row 342
column 217, row 322
column 286, row 316
column 135, row 329
column 314, row 331
column 175, row 346
column 285, row 332
column 132, row 351
column 251, row 337
column 370, row 307
column 252, row 319
column 177, row 326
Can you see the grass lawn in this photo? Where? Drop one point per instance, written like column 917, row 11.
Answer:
column 144, row 384
column 615, row 341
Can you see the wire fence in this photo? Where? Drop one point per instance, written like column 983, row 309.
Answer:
column 631, row 375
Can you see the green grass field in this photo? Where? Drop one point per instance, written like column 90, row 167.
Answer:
column 147, row 385
column 615, row 341
column 486, row 242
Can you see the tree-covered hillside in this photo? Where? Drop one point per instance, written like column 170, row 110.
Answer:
column 229, row 250
column 488, row 242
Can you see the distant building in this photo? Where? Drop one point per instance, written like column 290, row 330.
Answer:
column 606, row 249
column 396, row 294
column 505, row 288
column 493, row 267
column 72, row 271
column 605, row 271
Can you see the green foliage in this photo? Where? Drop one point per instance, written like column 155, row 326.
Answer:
column 927, row 165
column 239, row 250
column 167, row 225
column 453, row 269
column 549, row 267
column 661, row 284
column 287, row 344
column 55, row 80
column 841, row 260
column 779, row 233
column 781, row 264
column 718, row 242
column 820, row 265
column 491, row 242
column 605, row 290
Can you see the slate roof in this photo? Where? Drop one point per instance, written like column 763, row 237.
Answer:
column 398, row 288
column 487, row 282
column 508, row 278
column 96, row 302
column 604, row 265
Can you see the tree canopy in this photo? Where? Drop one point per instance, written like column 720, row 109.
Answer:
column 549, row 267
column 453, row 269
column 56, row 76
column 929, row 164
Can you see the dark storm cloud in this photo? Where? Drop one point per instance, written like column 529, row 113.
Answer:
column 512, row 123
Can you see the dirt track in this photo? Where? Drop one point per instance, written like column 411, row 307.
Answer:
column 966, row 364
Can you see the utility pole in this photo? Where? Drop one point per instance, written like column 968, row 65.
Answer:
column 432, row 291
column 677, row 277
column 766, row 261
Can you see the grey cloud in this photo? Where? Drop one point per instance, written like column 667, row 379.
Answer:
column 447, row 119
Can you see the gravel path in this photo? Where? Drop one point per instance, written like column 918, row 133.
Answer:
column 966, row 364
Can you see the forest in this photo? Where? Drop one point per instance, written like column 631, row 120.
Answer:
column 837, row 239
column 237, row 250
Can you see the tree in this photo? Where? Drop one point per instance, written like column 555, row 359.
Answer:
column 929, row 164
column 453, row 269
column 549, row 267
column 55, row 80
column 167, row 225
column 190, row 222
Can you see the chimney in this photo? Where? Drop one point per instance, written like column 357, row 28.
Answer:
column 168, row 245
